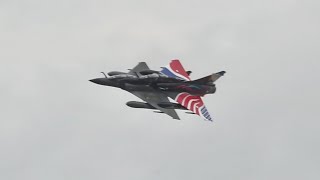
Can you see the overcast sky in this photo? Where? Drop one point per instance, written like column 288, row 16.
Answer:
column 55, row 124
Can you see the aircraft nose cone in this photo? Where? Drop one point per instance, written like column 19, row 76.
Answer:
column 97, row 81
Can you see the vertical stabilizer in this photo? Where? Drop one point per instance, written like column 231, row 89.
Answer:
column 175, row 70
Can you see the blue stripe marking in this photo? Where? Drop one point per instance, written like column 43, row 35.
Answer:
column 168, row 73
column 194, row 87
column 203, row 110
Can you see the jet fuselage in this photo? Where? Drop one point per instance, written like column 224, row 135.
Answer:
column 163, row 83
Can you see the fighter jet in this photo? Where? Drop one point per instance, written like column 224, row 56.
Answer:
column 154, row 87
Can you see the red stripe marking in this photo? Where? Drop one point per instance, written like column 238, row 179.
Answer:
column 187, row 100
column 180, row 97
column 177, row 67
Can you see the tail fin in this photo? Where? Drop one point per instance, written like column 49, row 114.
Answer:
column 176, row 70
column 209, row 79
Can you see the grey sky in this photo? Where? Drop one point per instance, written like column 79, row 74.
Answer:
column 55, row 124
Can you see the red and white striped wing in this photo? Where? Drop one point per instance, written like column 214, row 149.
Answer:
column 194, row 104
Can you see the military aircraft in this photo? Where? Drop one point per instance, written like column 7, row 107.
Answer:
column 154, row 87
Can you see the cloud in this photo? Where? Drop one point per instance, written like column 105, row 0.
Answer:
column 57, row 125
